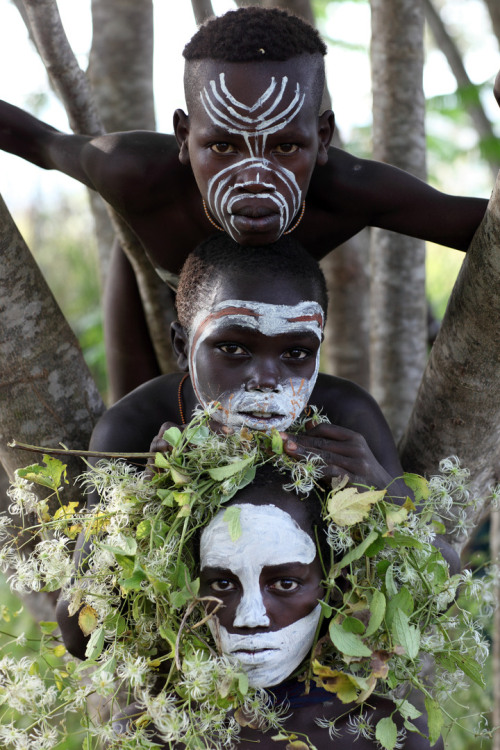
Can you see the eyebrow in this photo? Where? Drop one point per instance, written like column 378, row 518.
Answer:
column 281, row 568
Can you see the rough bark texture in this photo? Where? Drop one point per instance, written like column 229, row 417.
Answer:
column 457, row 410
column 495, row 650
column 72, row 86
column 62, row 67
column 121, row 63
column 398, row 308
column 347, row 333
column 47, row 394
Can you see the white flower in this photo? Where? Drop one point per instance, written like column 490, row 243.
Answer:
column 360, row 725
column 329, row 724
column 134, row 670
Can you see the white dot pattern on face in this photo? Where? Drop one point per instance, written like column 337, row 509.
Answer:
column 254, row 126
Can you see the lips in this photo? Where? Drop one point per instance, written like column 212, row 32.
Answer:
column 255, row 211
column 255, row 656
column 269, row 222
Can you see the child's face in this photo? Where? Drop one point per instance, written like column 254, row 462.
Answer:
column 256, row 353
column 253, row 140
column 269, row 581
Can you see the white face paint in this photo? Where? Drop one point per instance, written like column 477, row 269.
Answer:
column 255, row 407
column 269, row 537
column 273, row 188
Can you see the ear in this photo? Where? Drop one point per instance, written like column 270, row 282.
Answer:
column 181, row 130
column 326, row 129
column 180, row 345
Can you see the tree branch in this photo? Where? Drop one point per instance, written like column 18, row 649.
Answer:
column 472, row 102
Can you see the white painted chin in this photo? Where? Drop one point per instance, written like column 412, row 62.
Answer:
column 269, row 658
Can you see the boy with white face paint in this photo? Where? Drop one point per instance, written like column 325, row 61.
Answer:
column 269, row 582
column 248, row 337
column 251, row 156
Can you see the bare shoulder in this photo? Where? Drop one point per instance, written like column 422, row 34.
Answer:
column 139, row 165
column 132, row 423
column 343, row 401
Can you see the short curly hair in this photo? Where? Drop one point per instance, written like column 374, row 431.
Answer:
column 254, row 34
column 220, row 256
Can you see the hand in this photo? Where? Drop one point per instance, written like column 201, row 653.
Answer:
column 345, row 453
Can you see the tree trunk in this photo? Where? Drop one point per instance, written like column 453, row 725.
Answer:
column 494, row 11
column 347, row 332
column 398, row 306
column 457, row 411
column 471, row 101
column 47, row 393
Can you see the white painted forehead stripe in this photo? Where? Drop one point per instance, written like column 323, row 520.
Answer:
column 267, row 533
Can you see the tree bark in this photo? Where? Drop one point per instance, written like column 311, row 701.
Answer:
column 47, row 394
column 494, row 11
column 347, row 331
column 457, row 410
column 72, row 86
column 202, row 10
column 398, row 306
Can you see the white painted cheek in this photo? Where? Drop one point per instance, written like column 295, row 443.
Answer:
column 285, row 649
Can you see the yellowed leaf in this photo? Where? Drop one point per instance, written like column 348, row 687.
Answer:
column 349, row 506
column 87, row 619
column 334, row 681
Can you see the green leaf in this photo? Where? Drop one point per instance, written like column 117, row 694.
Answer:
column 276, row 442
column 133, row 582
column 143, row 530
column 326, row 609
column 197, row 435
column 95, row 644
column 52, row 475
column 128, row 547
column 377, row 612
column 219, row 473
column 405, row 635
column 386, row 732
column 347, row 643
column 353, row 625
column 403, row 601
column 403, row 540
column 390, row 584
column 173, row 436
column 357, row 552
column 435, row 719
column 419, row 486
column 243, row 683
column 47, row 627
column 232, row 518
column 408, row 710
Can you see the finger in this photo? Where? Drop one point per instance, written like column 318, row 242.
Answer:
column 220, row 429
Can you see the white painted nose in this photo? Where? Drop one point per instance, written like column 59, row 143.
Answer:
column 251, row 612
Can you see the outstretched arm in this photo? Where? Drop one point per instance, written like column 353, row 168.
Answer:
column 41, row 144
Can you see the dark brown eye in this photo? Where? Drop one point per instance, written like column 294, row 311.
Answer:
column 232, row 349
column 222, row 148
column 296, row 353
column 286, row 148
column 222, row 585
column 285, row 585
